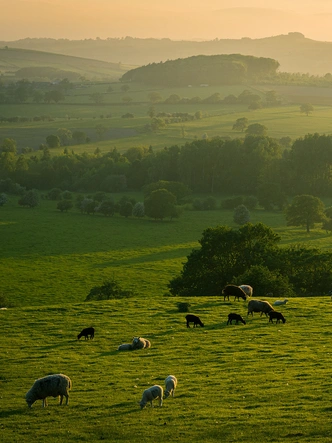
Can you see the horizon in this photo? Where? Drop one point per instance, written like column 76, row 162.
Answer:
column 189, row 20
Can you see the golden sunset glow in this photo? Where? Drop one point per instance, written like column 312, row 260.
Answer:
column 177, row 20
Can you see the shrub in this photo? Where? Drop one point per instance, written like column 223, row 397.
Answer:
column 54, row 194
column 64, row 205
column 183, row 306
column 108, row 290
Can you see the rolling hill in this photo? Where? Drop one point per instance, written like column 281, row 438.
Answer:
column 50, row 66
column 294, row 52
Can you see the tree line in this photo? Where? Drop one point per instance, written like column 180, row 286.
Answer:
column 254, row 165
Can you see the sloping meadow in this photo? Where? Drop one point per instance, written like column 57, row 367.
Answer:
column 258, row 382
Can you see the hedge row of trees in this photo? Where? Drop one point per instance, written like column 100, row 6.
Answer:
column 255, row 165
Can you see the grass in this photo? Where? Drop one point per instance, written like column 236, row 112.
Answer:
column 257, row 382
column 260, row 382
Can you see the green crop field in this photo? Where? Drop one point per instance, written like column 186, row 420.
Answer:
column 257, row 382
column 79, row 112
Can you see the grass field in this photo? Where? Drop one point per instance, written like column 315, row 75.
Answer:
column 78, row 112
column 258, row 382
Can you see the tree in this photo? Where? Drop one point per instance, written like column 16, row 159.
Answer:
column 53, row 141
column 256, row 129
column 126, row 209
column 8, row 145
column 29, row 198
column 241, row 215
column 240, row 124
column 64, row 205
column 125, row 88
column 306, row 108
column 65, row 135
column 138, row 210
column 159, row 204
column 107, row 207
column 305, row 210
column 155, row 97
column 100, row 130
column 3, row 198
column 225, row 253
column 79, row 137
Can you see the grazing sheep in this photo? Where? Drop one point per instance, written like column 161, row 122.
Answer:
column 50, row 386
column 234, row 290
column 259, row 306
column 170, row 385
column 237, row 317
column 125, row 347
column 191, row 318
column 151, row 394
column 86, row 333
column 140, row 343
column 280, row 302
column 277, row 315
column 247, row 289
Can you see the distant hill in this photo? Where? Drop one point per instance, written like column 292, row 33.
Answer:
column 293, row 51
column 38, row 65
column 204, row 69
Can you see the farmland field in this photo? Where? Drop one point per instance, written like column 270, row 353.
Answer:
column 79, row 112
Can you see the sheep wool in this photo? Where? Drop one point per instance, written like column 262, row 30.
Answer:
column 170, row 385
column 50, row 386
column 150, row 394
column 125, row 347
column 140, row 343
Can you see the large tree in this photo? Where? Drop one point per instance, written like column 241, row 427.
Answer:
column 305, row 210
column 160, row 204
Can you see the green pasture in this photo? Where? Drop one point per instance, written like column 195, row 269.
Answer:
column 49, row 257
column 258, row 382
column 79, row 112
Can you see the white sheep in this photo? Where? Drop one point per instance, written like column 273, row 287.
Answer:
column 151, row 394
column 125, row 347
column 247, row 289
column 170, row 385
column 140, row 343
column 50, row 386
column 261, row 306
column 280, row 302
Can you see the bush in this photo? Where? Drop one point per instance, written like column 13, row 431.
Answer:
column 109, row 290
column 64, row 205
column 183, row 306
column 54, row 194
column 29, row 198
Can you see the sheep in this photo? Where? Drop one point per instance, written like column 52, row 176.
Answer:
column 125, row 347
column 170, row 385
column 276, row 315
column 191, row 318
column 280, row 302
column 237, row 317
column 247, row 289
column 259, row 306
column 50, row 386
column 140, row 343
column 151, row 394
column 86, row 333
column 234, row 290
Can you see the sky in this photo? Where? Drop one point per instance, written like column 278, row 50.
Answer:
column 174, row 19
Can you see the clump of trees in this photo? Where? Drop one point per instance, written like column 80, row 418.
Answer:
column 110, row 289
column 252, row 254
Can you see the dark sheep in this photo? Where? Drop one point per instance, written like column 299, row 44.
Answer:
column 191, row 318
column 237, row 317
column 86, row 333
column 277, row 315
column 234, row 290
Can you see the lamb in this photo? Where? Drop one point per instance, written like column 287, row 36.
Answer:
column 280, row 302
column 259, row 306
column 140, row 343
column 247, row 289
column 191, row 318
column 170, row 385
column 86, row 333
column 50, row 386
column 125, row 347
column 237, row 317
column 276, row 315
column 234, row 290
column 151, row 394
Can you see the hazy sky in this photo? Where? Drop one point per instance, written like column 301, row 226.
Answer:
column 175, row 19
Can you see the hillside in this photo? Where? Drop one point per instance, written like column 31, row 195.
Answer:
column 45, row 65
column 293, row 51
